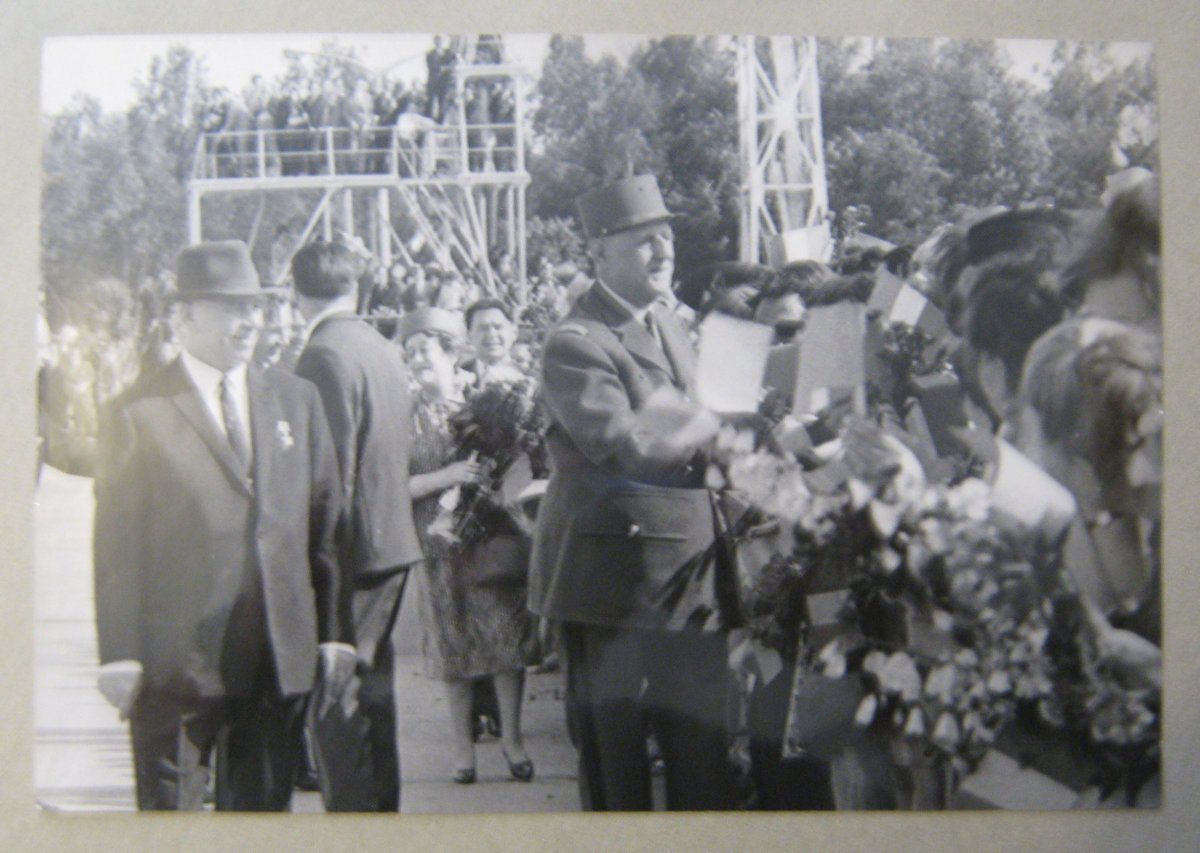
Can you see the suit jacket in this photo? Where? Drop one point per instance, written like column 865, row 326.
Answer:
column 363, row 384
column 201, row 569
column 621, row 514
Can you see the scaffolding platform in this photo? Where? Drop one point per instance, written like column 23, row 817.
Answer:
column 462, row 181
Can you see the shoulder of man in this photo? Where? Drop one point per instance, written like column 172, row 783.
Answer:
column 287, row 386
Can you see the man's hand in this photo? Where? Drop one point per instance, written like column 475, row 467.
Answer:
column 675, row 426
column 120, row 682
column 338, row 662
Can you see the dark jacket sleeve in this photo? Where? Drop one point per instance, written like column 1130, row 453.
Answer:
column 118, row 544
column 327, row 518
column 586, row 387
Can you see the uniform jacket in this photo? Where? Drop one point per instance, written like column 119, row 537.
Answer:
column 620, row 515
column 199, row 569
column 363, row 384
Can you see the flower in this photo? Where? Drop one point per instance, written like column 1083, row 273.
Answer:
column 946, row 733
column 865, row 714
column 899, row 675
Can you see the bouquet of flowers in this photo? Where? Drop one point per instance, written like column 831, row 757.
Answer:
column 499, row 426
column 961, row 632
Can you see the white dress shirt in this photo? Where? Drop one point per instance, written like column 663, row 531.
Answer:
column 207, row 380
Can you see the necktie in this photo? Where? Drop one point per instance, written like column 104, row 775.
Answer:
column 652, row 328
column 233, row 424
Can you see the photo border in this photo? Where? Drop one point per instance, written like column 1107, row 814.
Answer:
column 1172, row 25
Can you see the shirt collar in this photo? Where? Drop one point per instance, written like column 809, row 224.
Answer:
column 205, row 376
column 323, row 316
column 638, row 314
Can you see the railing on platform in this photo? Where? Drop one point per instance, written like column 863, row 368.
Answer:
column 346, row 151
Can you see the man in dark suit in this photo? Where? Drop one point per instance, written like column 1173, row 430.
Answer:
column 363, row 382
column 217, row 583
column 625, row 515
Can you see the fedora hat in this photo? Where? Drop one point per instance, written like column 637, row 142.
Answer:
column 435, row 320
column 626, row 204
column 217, row 270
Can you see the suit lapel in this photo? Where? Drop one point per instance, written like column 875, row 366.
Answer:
column 677, row 346
column 635, row 337
column 642, row 346
column 187, row 400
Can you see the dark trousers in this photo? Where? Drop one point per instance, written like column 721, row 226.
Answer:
column 254, row 737
column 376, row 606
column 678, row 681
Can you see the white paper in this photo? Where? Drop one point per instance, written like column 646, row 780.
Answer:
column 909, row 305
column 731, row 364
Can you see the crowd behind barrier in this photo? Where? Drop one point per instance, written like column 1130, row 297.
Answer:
column 371, row 125
column 1027, row 334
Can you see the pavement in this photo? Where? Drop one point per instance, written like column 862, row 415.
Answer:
column 82, row 759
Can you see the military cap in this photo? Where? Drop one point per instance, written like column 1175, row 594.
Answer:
column 626, row 204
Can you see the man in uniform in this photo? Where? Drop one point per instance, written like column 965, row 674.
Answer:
column 216, row 573
column 625, row 516
column 363, row 383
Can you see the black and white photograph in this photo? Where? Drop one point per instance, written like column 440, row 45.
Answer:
column 521, row 423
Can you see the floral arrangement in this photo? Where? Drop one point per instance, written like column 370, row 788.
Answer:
column 960, row 631
column 497, row 425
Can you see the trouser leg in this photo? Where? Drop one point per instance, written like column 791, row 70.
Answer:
column 256, row 754
column 689, row 684
column 171, row 744
column 376, row 610
column 604, row 677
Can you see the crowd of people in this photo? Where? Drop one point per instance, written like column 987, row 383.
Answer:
column 257, row 526
column 367, row 124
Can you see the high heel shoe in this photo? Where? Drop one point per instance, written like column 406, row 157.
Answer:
column 522, row 771
column 464, row 775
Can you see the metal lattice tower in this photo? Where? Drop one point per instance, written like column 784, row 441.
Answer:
column 462, row 181
column 784, row 195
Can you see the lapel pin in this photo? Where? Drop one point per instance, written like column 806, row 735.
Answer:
column 283, row 432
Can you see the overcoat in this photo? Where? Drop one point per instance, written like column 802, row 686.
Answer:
column 200, row 569
column 363, row 383
column 622, row 512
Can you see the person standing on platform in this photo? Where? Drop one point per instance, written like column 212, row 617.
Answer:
column 626, row 511
column 363, row 383
column 218, row 587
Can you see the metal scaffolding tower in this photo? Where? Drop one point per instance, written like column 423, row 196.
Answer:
column 784, row 195
column 462, row 181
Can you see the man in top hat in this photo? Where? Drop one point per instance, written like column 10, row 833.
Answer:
column 218, row 591
column 363, row 384
column 625, row 515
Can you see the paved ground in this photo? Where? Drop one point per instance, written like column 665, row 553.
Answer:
column 81, row 761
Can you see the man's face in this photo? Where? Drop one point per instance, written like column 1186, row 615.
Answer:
column 492, row 335
column 637, row 264
column 221, row 332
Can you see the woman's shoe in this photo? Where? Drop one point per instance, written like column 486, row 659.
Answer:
column 465, row 775
column 522, row 771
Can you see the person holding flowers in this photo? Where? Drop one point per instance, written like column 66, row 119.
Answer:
column 472, row 626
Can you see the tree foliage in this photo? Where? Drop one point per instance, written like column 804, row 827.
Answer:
column 671, row 110
column 916, row 132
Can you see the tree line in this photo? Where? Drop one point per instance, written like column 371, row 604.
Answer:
column 917, row 132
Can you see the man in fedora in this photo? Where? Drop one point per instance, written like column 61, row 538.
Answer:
column 626, row 515
column 363, row 384
column 218, row 587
